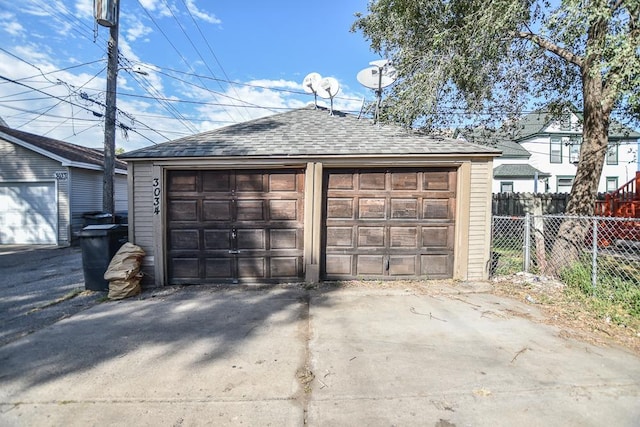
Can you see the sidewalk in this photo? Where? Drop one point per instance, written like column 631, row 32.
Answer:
column 283, row 355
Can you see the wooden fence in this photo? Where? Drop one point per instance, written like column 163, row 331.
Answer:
column 520, row 204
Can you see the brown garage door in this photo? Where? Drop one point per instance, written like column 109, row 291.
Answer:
column 396, row 223
column 233, row 226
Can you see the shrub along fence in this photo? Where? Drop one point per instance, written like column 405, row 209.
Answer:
column 605, row 263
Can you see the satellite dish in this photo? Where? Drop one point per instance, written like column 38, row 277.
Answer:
column 380, row 75
column 310, row 82
column 377, row 77
column 328, row 88
column 310, row 85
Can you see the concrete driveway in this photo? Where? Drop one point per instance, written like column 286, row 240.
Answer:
column 286, row 356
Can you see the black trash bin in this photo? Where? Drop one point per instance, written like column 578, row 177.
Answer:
column 96, row 218
column 99, row 244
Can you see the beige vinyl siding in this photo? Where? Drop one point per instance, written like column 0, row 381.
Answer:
column 20, row 164
column 120, row 195
column 64, row 211
column 141, row 219
column 86, row 195
column 480, row 220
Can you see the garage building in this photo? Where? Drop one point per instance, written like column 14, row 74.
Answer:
column 309, row 196
column 46, row 186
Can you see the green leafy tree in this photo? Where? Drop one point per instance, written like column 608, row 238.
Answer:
column 490, row 59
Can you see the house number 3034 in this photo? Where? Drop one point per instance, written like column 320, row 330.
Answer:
column 156, row 196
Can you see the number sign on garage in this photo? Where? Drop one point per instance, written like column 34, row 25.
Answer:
column 389, row 223
column 232, row 226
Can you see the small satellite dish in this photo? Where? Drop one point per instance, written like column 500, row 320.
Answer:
column 310, row 82
column 328, row 88
column 310, row 85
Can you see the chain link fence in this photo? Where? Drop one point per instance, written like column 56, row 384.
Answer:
column 600, row 255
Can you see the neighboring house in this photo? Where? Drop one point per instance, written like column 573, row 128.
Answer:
column 541, row 154
column 305, row 195
column 47, row 185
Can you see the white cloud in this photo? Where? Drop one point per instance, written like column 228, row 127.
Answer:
column 13, row 28
column 156, row 6
column 84, row 8
column 205, row 16
column 136, row 29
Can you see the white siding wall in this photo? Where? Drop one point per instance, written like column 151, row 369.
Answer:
column 479, row 220
column 120, row 195
column 141, row 216
column 86, row 195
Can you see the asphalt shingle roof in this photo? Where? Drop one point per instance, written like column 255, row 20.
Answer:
column 517, row 171
column 66, row 150
column 307, row 132
column 498, row 140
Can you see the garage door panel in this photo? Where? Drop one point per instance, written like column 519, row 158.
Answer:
column 339, row 208
column 341, row 181
column 369, row 265
column 185, row 268
column 217, row 239
column 284, row 238
column 437, row 236
column 251, row 268
column 436, row 209
column 219, row 268
column 371, row 208
column 285, row 266
column 280, row 182
column 372, row 181
column 216, row 210
column 282, row 210
column 216, row 181
column 339, row 236
column 184, row 239
column 250, row 182
column 183, row 210
column 401, row 215
column 403, row 237
column 251, row 239
column 404, row 208
column 437, row 266
column 404, row 181
column 434, row 180
column 403, row 265
column 182, row 181
column 371, row 236
column 250, row 210
column 338, row 265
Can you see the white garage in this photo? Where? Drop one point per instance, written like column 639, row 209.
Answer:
column 47, row 185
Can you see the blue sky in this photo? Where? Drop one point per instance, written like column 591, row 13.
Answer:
column 209, row 64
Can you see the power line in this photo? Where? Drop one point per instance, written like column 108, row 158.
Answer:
column 173, row 46
column 210, row 50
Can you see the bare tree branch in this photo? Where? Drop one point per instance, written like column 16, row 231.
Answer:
column 552, row 47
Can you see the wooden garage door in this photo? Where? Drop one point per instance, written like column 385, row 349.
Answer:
column 384, row 224
column 234, row 226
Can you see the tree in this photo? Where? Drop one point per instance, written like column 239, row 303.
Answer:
column 494, row 57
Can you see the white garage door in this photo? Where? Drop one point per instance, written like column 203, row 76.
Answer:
column 28, row 213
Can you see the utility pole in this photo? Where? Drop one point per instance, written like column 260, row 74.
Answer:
column 113, row 8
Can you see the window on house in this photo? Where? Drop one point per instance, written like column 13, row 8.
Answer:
column 555, row 150
column 612, row 154
column 574, row 152
column 564, row 184
column 612, row 183
column 506, row 187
